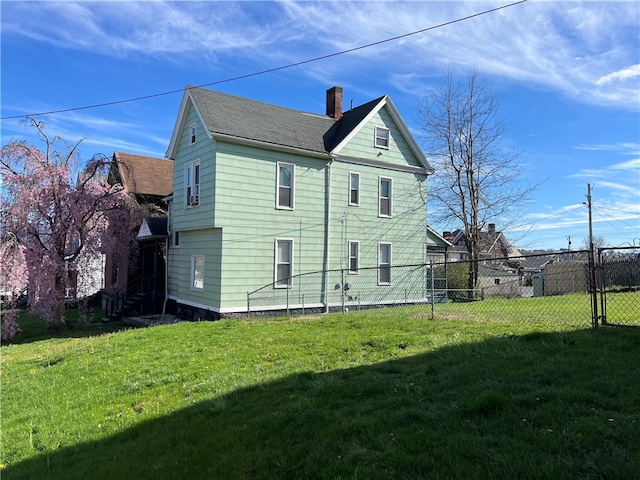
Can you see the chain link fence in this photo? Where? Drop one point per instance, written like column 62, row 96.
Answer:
column 548, row 288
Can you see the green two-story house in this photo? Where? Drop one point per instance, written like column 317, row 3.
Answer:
column 293, row 204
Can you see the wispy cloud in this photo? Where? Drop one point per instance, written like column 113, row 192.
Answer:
column 625, row 148
column 617, row 170
column 586, row 50
column 624, row 74
column 98, row 133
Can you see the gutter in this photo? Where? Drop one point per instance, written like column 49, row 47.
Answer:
column 270, row 146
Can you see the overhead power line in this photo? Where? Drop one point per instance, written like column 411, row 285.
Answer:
column 269, row 70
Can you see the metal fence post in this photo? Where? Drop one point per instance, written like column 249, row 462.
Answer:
column 342, row 288
column 601, row 287
column 248, row 305
column 433, row 290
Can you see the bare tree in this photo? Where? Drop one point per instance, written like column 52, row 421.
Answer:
column 598, row 242
column 477, row 180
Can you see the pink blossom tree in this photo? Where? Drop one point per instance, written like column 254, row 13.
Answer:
column 53, row 211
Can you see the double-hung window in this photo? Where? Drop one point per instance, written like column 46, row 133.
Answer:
column 354, row 257
column 286, row 185
column 283, row 268
column 382, row 137
column 354, row 189
column 384, row 264
column 384, row 197
column 197, row 272
column 192, row 134
column 192, row 184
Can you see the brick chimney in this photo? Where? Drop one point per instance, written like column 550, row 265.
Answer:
column 492, row 228
column 334, row 102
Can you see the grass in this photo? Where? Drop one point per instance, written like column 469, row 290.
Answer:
column 34, row 329
column 370, row 394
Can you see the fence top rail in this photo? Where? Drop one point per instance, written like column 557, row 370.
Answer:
column 630, row 247
column 345, row 269
column 439, row 264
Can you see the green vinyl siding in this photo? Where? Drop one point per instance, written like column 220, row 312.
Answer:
column 237, row 223
column 406, row 229
column 203, row 150
column 246, row 211
column 207, row 242
column 362, row 144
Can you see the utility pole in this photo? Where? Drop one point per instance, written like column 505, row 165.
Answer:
column 592, row 265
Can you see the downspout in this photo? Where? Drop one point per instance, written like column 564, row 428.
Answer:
column 327, row 237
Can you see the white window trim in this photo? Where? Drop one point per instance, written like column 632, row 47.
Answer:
column 187, row 193
column 193, row 272
column 380, row 245
column 354, row 174
column 357, row 257
column 193, row 134
column 376, row 136
column 293, row 186
column 380, row 180
column 275, row 263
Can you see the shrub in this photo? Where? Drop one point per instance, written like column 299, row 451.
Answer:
column 10, row 328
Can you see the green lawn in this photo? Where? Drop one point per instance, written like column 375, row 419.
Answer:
column 370, row 394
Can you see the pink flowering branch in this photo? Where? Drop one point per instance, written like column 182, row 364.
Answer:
column 54, row 219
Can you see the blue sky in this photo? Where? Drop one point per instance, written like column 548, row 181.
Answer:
column 568, row 74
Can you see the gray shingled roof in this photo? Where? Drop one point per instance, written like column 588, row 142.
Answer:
column 350, row 120
column 248, row 119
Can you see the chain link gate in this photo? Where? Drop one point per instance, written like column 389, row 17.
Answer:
column 618, row 282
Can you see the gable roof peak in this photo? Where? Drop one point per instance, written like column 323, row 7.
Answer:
column 235, row 119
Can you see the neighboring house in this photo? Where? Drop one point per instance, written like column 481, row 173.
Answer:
column 86, row 274
column 263, row 193
column 500, row 273
column 532, row 266
column 438, row 247
column 147, row 180
column 498, row 281
column 494, row 245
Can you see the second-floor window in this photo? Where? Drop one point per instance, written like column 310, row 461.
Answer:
column 382, row 137
column 354, row 189
column 384, row 197
column 192, row 184
column 286, row 186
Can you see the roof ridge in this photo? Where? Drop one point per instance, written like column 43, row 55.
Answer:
column 261, row 102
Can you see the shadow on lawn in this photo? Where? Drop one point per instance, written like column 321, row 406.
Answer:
column 35, row 329
column 536, row 406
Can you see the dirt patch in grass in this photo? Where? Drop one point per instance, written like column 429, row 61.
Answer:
column 152, row 320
